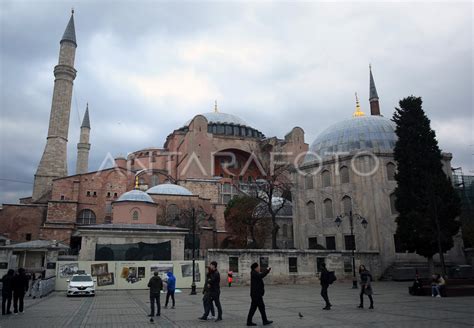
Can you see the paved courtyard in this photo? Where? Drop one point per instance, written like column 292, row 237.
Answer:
column 393, row 308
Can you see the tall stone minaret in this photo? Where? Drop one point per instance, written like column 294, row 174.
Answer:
column 83, row 147
column 373, row 96
column 53, row 163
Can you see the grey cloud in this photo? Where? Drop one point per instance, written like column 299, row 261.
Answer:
column 277, row 65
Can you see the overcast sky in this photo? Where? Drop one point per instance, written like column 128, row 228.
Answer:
column 147, row 67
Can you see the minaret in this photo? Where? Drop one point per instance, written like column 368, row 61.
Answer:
column 83, row 147
column 53, row 163
column 373, row 96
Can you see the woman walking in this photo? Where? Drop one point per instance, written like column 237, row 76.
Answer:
column 365, row 286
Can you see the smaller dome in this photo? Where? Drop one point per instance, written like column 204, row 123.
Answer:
column 135, row 196
column 169, row 189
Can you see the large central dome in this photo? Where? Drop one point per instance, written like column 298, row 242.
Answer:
column 224, row 118
column 364, row 133
column 227, row 124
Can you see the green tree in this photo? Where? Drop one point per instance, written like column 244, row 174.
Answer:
column 246, row 220
column 426, row 201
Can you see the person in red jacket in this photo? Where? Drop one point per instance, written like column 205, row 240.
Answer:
column 230, row 278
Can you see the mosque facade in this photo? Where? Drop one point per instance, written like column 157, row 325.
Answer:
column 348, row 171
column 202, row 165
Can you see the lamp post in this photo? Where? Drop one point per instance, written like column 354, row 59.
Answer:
column 193, row 285
column 364, row 223
column 193, row 218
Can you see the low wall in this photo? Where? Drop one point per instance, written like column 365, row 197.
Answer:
column 279, row 260
column 129, row 274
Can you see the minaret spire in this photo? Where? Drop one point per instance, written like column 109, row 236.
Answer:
column 83, row 147
column 373, row 96
column 53, row 163
column 70, row 31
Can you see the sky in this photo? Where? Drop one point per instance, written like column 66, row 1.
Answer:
column 147, row 67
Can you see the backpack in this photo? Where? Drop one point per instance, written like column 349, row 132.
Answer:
column 331, row 277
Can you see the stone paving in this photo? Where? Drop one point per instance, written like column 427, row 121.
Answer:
column 393, row 308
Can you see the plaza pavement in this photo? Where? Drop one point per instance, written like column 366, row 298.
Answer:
column 393, row 308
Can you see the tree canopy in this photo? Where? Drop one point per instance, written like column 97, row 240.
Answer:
column 426, row 201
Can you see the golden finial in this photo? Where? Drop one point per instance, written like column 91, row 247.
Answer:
column 215, row 107
column 136, row 183
column 358, row 112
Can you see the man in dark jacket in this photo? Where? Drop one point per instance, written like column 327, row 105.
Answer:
column 20, row 287
column 7, row 290
column 257, row 290
column 325, row 282
column 214, row 290
column 156, row 285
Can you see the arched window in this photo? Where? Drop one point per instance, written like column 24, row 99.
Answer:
column 135, row 215
column 390, row 171
column 154, row 180
column 284, row 231
column 344, row 172
column 311, row 210
column 309, row 181
column 326, row 177
column 393, row 209
column 328, row 212
column 346, row 204
column 86, row 217
column 172, row 212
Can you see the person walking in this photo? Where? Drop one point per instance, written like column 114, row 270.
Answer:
column 325, row 279
column 365, row 286
column 213, row 284
column 257, row 290
column 20, row 287
column 156, row 285
column 230, row 278
column 206, row 299
column 171, row 283
column 7, row 292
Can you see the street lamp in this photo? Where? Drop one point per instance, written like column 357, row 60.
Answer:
column 364, row 224
column 193, row 285
column 193, row 217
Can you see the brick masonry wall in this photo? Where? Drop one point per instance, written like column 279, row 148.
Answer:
column 16, row 221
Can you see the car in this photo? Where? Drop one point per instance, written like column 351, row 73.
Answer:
column 81, row 284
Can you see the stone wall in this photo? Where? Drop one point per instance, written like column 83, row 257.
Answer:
column 307, row 260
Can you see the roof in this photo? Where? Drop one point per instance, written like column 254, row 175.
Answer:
column 363, row 133
column 218, row 117
column 135, row 196
column 70, row 32
column 86, row 122
column 135, row 227
column 34, row 244
column 373, row 91
column 169, row 189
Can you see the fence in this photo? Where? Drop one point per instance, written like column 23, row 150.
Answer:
column 42, row 287
column 129, row 274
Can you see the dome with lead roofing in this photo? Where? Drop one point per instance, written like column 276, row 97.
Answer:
column 169, row 189
column 135, row 196
column 361, row 133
